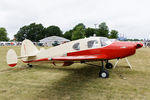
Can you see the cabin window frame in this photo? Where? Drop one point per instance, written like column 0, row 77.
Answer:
column 90, row 44
column 104, row 42
column 76, row 46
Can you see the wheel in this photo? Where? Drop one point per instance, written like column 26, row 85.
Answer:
column 109, row 66
column 29, row 65
column 104, row 74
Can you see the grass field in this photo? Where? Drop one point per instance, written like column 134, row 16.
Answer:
column 76, row 82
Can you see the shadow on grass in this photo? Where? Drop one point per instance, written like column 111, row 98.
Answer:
column 123, row 66
column 14, row 69
column 72, row 85
column 76, row 83
column 8, row 70
column 69, row 86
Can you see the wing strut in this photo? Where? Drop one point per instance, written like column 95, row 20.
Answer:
column 126, row 61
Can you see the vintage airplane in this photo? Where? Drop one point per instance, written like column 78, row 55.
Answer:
column 78, row 51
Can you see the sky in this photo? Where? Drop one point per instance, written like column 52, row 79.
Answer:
column 130, row 18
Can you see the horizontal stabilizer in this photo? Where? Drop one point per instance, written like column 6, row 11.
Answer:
column 19, row 57
column 11, row 58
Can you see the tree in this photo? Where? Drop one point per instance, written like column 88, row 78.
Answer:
column 90, row 32
column 80, row 25
column 103, row 30
column 3, row 34
column 77, row 34
column 53, row 31
column 34, row 32
column 68, row 34
column 78, row 31
column 113, row 34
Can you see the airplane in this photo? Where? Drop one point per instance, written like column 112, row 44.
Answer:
column 77, row 51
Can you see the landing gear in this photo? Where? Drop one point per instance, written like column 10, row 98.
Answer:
column 103, row 72
column 29, row 65
column 109, row 66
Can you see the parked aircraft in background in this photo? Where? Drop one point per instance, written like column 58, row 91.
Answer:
column 78, row 51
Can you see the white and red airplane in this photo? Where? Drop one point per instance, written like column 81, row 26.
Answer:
column 78, row 51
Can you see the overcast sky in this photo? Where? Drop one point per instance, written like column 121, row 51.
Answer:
column 129, row 17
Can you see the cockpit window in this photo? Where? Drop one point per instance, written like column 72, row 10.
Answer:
column 105, row 42
column 92, row 43
column 76, row 46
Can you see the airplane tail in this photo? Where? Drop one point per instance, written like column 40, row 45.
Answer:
column 28, row 49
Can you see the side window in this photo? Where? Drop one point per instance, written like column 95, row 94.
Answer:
column 76, row 46
column 92, row 43
column 103, row 42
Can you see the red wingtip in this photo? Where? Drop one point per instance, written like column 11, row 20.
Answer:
column 12, row 65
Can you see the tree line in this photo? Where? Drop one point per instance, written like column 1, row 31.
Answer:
column 3, row 34
column 80, row 31
column 36, row 32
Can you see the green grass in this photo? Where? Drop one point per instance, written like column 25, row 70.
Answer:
column 76, row 82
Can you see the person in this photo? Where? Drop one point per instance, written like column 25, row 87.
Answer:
column 144, row 42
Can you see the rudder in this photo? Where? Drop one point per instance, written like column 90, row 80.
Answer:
column 28, row 48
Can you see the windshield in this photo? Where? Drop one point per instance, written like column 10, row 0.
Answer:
column 92, row 44
column 105, row 41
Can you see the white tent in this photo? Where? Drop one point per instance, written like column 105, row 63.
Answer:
column 48, row 41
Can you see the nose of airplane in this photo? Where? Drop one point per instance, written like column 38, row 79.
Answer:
column 138, row 45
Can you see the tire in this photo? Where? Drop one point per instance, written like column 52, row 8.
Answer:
column 104, row 74
column 109, row 66
column 29, row 65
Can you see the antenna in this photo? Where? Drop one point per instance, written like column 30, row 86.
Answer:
column 95, row 25
column 94, row 35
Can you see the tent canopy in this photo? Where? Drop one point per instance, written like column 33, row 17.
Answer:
column 54, row 38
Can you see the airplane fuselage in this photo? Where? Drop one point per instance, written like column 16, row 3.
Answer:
column 86, row 47
column 115, row 50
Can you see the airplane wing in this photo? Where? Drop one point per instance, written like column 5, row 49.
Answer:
column 71, row 58
column 78, row 58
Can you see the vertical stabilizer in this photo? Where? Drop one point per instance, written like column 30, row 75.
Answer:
column 28, row 48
